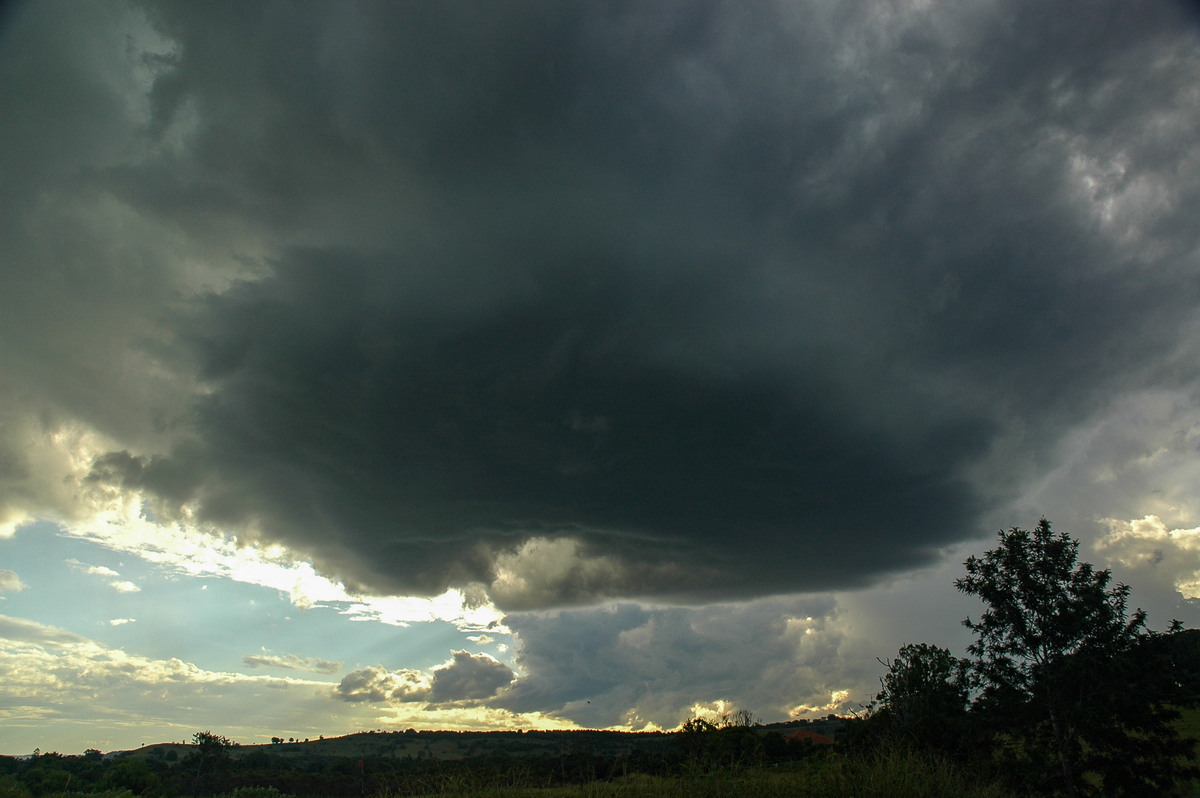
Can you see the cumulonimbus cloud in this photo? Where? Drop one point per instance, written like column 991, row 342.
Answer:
column 583, row 303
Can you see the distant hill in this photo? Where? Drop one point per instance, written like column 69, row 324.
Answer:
column 450, row 745
column 437, row 745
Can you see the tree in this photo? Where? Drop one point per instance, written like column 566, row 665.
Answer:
column 134, row 775
column 212, row 752
column 726, row 741
column 923, row 698
column 1067, row 671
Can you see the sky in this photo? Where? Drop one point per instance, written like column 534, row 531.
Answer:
column 551, row 365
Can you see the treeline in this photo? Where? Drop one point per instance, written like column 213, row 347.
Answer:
column 211, row 769
column 1065, row 692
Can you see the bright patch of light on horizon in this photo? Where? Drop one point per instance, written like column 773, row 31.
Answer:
column 473, row 718
column 837, row 701
column 122, row 526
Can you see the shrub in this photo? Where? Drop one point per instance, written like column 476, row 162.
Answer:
column 259, row 792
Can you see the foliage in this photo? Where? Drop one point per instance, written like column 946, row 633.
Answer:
column 726, row 741
column 923, row 699
column 211, row 754
column 130, row 774
column 212, row 746
column 1076, row 689
column 622, row 769
column 10, row 787
column 886, row 773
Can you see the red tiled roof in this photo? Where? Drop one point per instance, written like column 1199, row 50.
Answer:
column 812, row 737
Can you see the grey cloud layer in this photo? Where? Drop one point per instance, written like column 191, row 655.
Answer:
column 614, row 300
column 628, row 665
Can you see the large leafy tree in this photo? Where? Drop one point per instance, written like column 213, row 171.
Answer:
column 923, row 698
column 212, row 752
column 1069, row 675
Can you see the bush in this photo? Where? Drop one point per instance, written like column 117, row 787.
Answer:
column 11, row 788
column 259, row 792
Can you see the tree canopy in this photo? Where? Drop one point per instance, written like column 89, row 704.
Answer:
column 1067, row 674
column 1067, row 689
column 924, row 697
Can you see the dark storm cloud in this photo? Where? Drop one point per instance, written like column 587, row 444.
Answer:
column 688, row 300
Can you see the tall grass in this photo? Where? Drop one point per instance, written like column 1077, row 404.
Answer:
column 885, row 774
column 898, row 773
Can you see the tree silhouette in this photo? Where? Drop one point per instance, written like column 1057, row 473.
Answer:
column 212, row 752
column 1067, row 670
column 923, row 698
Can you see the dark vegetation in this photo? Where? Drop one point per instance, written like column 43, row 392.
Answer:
column 408, row 763
column 1066, row 693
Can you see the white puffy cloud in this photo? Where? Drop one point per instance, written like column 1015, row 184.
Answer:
column 119, row 585
column 10, row 582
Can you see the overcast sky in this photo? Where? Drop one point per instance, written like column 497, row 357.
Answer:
column 461, row 365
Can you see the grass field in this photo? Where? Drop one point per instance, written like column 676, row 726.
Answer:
column 889, row 775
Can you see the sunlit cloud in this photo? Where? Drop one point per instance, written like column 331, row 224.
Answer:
column 839, row 703
column 119, row 585
column 51, row 674
column 467, row 718
column 120, row 523
column 1172, row 555
column 98, row 570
